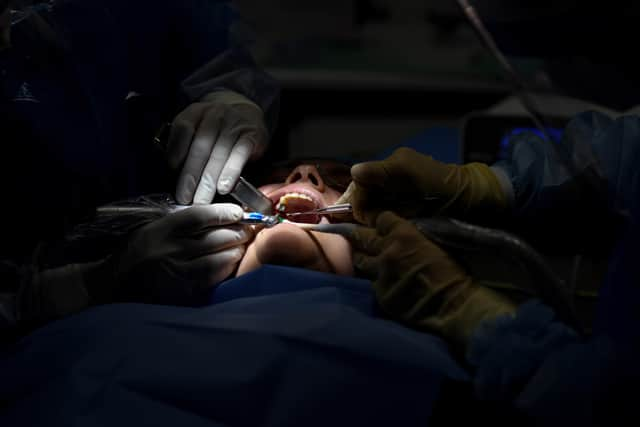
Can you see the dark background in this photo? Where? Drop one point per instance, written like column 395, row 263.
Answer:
column 359, row 76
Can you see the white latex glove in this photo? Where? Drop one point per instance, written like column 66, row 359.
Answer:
column 213, row 139
column 166, row 261
column 191, row 250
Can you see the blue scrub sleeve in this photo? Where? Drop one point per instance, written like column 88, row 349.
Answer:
column 532, row 360
column 542, row 368
column 547, row 192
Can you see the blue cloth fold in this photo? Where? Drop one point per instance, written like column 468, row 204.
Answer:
column 531, row 359
column 507, row 351
column 315, row 355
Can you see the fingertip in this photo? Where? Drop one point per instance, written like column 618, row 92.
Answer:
column 226, row 184
column 387, row 216
column 231, row 211
column 386, row 221
column 186, row 188
column 238, row 212
column 358, row 169
column 204, row 193
column 182, row 197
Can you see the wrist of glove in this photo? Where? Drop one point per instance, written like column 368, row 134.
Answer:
column 167, row 261
column 228, row 97
column 412, row 184
column 176, row 258
column 418, row 284
column 56, row 293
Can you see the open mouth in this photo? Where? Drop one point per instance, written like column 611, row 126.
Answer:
column 288, row 201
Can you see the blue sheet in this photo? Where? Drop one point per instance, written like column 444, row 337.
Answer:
column 307, row 350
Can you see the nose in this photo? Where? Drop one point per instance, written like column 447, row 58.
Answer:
column 306, row 174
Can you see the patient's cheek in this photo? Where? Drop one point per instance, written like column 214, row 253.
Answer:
column 289, row 245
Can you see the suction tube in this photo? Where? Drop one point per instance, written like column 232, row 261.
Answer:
column 454, row 234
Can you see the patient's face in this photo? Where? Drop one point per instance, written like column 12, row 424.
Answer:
column 303, row 189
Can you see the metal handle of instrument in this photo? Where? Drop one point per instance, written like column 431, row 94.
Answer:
column 333, row 209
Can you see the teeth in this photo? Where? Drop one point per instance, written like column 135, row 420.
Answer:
column 288, row 196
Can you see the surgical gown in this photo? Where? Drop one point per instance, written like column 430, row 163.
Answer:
column 538, row 364
column 78, row 112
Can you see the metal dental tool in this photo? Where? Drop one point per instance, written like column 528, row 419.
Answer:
column 329, row 210
column 344, row 229
column 520, row 87
column 577, row 165
column 248, row 195
column 251, row 197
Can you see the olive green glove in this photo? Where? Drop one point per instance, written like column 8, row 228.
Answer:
column 417, row 283
column 410, row 184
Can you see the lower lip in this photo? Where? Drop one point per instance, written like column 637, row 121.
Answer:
column 304, row 219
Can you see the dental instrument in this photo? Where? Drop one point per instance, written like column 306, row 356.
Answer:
column 520, row 87
column 344, row 229
column 590, row 175
column 329, row 210
column 257, row 218
column 251, row 197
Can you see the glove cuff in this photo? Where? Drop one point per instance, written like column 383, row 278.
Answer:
column 229, row 97
column 484, row 191
column 55, row 293
column 480, row 305
column 505, row 184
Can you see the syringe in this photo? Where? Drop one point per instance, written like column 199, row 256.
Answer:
column 256, row 218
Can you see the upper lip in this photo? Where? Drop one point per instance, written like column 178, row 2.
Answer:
column 309, row 191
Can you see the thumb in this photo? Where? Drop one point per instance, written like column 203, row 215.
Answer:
column 195, row 219
column 371, row 174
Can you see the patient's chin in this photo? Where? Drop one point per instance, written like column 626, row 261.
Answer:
column 289, row 245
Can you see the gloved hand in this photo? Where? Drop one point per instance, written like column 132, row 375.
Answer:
column 410, row 183
column 166, row 262
column 169, row 260
column 213, row 139
column 417, row 283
